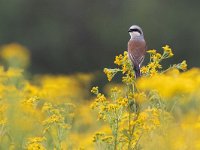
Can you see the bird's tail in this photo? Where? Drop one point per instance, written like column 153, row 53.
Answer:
column 137, row 72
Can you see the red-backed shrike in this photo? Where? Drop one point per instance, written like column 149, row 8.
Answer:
column 136, row 48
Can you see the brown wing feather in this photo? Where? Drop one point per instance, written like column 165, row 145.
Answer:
column 136, row 51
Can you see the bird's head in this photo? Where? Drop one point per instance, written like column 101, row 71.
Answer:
column 135, row 31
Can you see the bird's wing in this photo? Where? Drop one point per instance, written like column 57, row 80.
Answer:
column 136, row 51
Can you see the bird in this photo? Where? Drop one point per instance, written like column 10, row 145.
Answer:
column 136, row 48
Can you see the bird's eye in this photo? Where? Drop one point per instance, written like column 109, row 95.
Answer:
column 135, row 30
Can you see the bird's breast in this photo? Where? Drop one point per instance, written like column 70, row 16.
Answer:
column 137, row 46
column 136, row 50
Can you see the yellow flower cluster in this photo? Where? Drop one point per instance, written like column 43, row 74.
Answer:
column 106, row 106
column 35, row 143
column 3, row 119
column 182, row 66
column 121, row 59
column 31, row 101
column 154, row 64
column 55, row 118
column 126, row 111
column 66, row 87
column 172, row 83
column 138, row 109
column 122, row 101
column 95, row 90
column 36, row 107
column 58, row 121
column 154, row 67
column 125, row 67
column 110, row 73
column 102, row 137
column 128, row 78
column 167, row 51
column 149, row 119
column 160, row 109
column 15, row 55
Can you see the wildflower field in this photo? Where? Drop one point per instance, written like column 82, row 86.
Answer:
column 158, row 111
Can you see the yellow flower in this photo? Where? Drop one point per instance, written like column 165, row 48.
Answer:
column 112, row 107
column 94, row 105
column 107, row 139
column 125, row 56
column 115, row 90
column 109, row 73
column 156, row 57
column 15, row 55
column 144, row 70
column 143, row 116
column 118, row 60
column 128, row 78
column 30, row 102
column 124, row 69
column 95, row 90
column 3, row 119
column 98, row 136
column 166, row 48
column 183, row 65
column 103, row 108
column 36, row 139
column 35, row 143
column 167, row 51
column 101, row 116
column 132, row 122
column 101, row 97
column 55, row 118
column 35, row 146
column 158, row 66
column 153, row 72
column 46, row 107
column 151, row 65
column 172, row 84
column 153, row 51
column 14, row 72
column 122, row 101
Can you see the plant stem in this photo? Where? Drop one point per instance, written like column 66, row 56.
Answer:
column 129, row 128
column 116, row 134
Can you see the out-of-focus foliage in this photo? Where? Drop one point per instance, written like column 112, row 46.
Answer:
column 15, row 55
column 71, row 36
column 38, row 114
column 159, row 110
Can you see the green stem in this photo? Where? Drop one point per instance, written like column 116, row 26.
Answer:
column 116, row 134
column 129, row 128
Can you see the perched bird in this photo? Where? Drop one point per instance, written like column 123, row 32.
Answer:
column 136, row 48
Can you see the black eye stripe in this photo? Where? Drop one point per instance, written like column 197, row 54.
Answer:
column 135, row 30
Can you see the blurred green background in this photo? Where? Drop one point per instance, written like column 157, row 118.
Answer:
column 67, row 36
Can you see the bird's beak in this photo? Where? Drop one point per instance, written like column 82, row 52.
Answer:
column 129, row 30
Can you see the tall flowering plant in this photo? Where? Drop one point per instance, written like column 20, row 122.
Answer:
column 130, row 112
